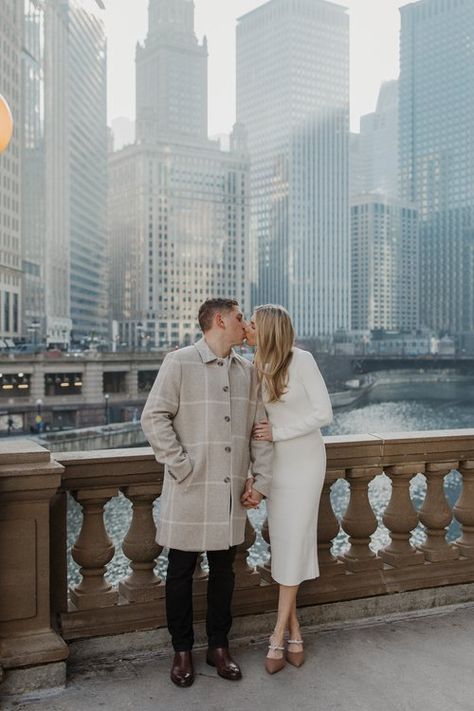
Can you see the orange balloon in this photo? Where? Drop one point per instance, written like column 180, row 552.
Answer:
column 6, row 124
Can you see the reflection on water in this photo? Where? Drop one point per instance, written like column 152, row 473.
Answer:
column 436, row 406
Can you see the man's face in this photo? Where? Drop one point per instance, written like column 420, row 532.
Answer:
column 234, row 325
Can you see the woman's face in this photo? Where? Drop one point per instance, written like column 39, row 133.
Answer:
column 250, row 332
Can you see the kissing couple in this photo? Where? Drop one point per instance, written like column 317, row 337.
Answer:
column 231, row 433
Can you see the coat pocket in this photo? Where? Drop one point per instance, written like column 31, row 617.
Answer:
column 176, row 479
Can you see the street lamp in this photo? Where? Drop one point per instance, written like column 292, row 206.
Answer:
column 107, row 412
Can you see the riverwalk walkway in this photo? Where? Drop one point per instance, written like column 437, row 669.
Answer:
column 416, row 662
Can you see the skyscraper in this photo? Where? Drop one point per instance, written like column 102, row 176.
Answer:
column 437, row 153
column 88, row 169
column 293, row 99
column 64, row 151
column 57, row 171
column 45, row 173
column 10, row 168
column 177, row 203
column 384, row 264
column 32, row 166
column 171, row 85
column 378, row 144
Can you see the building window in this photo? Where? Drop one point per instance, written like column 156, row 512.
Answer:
column 63, row 384
column 6, row 311
column 15, row 313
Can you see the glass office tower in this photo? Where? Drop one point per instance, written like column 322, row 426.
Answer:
column 293, row 99
column 88, row 169
column 10, row 173
column 437, row 153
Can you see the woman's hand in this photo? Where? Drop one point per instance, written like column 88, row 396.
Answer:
column 263, row 431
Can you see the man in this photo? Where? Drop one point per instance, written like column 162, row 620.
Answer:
column 199, row 418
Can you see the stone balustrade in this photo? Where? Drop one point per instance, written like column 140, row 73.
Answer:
column 43, row 612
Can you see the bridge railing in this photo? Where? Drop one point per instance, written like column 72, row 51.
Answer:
column 35, row 489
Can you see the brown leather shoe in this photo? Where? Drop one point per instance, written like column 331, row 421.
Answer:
column 182, row 671
column 220, row 658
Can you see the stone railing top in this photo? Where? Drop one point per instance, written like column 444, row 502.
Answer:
column 25, row 468
column 117, row 467
column 22, row 451
column 125, row 466
column 390, row 448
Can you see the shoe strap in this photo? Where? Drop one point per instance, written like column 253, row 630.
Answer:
column 275, row 647
column 295, row 641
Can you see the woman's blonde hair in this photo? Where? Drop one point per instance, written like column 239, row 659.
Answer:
column 275, row 338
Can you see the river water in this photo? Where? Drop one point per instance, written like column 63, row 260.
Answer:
column 388, row 408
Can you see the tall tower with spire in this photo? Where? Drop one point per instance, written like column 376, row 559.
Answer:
column 171, row 75
column 178, row 204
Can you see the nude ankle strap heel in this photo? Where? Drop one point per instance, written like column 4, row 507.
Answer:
column 295, row 658
column 274, row 665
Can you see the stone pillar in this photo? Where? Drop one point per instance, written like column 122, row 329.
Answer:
column 29, row 479
column 37, row 387
column 360, row 521
column 131, row 381
column 92, row 551
column 140, row 546
column 401, row 518
column 92, row 385
column 464, row 510
column 436, row 514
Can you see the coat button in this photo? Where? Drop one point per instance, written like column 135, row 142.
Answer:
column 228, row 449
column 225, row 388
column 219, row 362
column 227, row 418
column 227, row 479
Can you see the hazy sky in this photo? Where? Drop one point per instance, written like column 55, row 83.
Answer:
column 374, row 52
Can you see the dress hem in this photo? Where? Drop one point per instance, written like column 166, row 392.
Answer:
column 301, row 580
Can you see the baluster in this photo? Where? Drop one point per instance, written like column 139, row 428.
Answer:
column 200, row 577
column 245, row 575
column 265, row 569
column 328, row 528
column 400, row 517
column 360, row 521
column 92, row 551
column 436, row 514
column 464, row 510
column 140, row 546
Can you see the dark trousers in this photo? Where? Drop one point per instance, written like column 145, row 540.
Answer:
column 179, row 597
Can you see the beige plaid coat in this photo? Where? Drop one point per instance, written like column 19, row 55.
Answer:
column 198, row 418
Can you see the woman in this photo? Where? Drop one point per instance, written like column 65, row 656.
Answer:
column 297, row 405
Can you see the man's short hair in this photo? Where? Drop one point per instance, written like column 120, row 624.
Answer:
column 209, row 309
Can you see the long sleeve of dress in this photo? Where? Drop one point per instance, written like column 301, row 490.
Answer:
column 157, row 419
column 310, row 375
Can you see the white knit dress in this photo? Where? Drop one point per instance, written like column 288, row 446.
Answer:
column 299, row 466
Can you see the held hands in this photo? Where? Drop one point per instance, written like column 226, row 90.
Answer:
column 250, row 498
column 263, row 431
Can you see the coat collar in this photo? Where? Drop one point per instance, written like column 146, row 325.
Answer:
column 207, row 354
